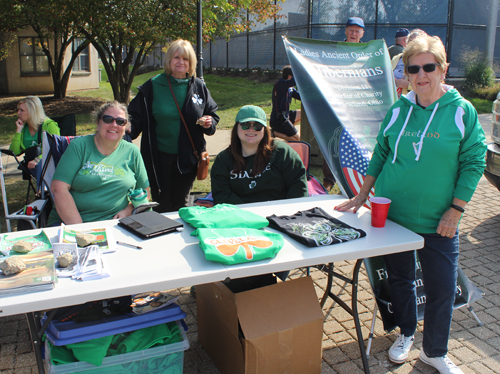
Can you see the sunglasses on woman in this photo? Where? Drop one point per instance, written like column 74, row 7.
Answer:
column 256, row 126
column 119, row 121
column 428, row 68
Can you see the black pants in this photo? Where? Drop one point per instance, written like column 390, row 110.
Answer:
column 328, row 177
column 174, row 188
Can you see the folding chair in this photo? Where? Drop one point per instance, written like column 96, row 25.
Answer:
column 314, row 186
column 25, row 172
column 36, row 208
column 53, row 146
column 67, row 124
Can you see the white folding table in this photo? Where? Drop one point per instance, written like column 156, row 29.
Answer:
column 175, row 260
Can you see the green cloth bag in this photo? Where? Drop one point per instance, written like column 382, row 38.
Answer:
column 221, row 216
column 238, row 245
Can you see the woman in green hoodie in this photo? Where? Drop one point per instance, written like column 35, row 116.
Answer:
column 428, row 160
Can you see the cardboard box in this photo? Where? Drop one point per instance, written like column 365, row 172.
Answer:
column 273, row 329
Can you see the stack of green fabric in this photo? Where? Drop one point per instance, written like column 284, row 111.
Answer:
column 95, row 350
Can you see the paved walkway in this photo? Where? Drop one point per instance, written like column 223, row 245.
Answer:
column 476, row 349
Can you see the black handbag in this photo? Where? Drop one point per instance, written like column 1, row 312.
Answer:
column 30, row 154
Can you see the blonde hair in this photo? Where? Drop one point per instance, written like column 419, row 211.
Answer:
column 185, row 50
column 426, row 44
column 36, row 114
column 112, row 104
column 414, row 34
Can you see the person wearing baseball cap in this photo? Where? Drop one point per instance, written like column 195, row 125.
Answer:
column 255, row 167
column 400, row 43
column 354, row 29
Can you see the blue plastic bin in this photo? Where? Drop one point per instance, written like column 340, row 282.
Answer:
column 167, row 359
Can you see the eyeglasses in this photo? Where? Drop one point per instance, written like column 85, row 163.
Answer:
column 428, row 68
column 119, row 121
column 256, row 126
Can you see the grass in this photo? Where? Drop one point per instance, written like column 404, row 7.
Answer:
column 230, row 93
column 106, row 93
column 482, row 105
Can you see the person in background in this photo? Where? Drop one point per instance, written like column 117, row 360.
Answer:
column 428, row 160
column 96, row 172
column 165, row 146
column 283, row 120
column 400, row 42
column 354, row 30
column 398, row 67
column 255, row 167
column 31, row 122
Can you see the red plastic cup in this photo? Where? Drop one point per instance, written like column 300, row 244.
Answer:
column 380, row 208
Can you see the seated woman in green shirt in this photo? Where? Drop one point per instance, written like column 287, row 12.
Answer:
column 30, row 117
column 256, row 168
column 96, row 172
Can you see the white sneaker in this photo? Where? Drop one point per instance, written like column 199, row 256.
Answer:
column 442, row 364
column 400, row 349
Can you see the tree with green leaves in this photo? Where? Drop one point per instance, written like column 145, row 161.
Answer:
column 9, row 24
column 124, row 31
column 55, row 26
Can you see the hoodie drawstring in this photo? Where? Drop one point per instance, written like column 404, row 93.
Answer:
column 421, row 142
column 400, row 134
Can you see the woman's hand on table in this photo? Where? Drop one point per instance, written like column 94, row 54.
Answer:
column 205, row 121
column 360, row 199
column 449, row 222
column 125, row 212
column 357, row 202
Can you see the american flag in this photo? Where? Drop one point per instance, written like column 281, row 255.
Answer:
column 354, row 159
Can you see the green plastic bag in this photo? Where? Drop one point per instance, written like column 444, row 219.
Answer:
column 238, row 245
column 221, row 216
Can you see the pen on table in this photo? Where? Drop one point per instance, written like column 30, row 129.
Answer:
column 128, row 245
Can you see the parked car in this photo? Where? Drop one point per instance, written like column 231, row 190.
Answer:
column 492, row 171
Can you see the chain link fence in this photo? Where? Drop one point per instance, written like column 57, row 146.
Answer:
column 461, row 25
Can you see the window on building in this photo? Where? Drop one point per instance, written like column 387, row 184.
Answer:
column 33, row 60
column 82, row 62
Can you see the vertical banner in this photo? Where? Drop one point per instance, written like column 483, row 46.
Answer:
column 346, row 90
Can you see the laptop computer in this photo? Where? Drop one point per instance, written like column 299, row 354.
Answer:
column 149, row 224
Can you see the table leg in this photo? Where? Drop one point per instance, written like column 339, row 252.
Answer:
column 354, row 302
column 34, row 326
column 36, row 332
column 353, row 310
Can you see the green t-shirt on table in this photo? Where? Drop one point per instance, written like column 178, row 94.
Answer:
column 99, row 184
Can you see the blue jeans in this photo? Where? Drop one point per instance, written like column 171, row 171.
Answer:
column 439, row 262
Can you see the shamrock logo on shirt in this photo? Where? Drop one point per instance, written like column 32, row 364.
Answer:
column 252, row 184
column 197, row 99
column 229, row 246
